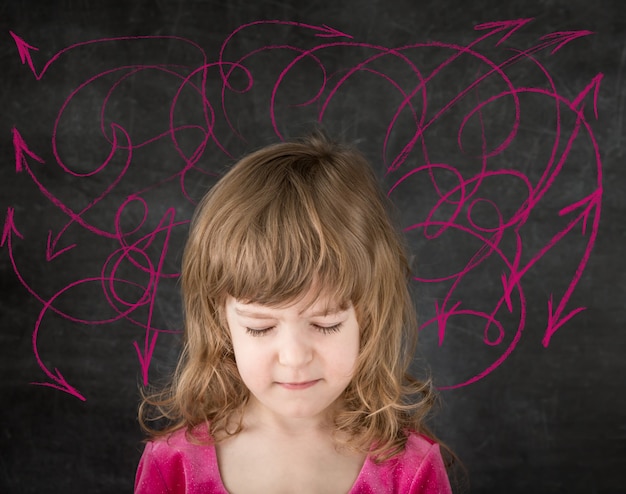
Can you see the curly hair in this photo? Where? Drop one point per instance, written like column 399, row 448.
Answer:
column 286, row 219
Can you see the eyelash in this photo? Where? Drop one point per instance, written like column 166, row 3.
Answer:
column 321, row 329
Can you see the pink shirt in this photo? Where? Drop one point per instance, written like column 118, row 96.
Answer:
column 176, row 466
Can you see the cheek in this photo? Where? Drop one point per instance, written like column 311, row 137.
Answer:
column 250, row 361
column 345, row 355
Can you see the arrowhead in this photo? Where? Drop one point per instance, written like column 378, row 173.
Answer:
column 442, row 319
column 555, row 321
column 61, row 384
column 65, row 386
column 24, row 50
column 9, row 228
column 495, row 27
column 561, row 38
column 593, row 85
column 51, row 253
column 21, row 149
column 144, row 360
column 329, row 32
column 587, row 204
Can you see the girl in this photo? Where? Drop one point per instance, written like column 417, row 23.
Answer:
column 298, row 335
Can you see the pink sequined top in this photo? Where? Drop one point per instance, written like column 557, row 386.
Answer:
column 176, row 466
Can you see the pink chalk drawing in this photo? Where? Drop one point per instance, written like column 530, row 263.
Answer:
column 455, row 126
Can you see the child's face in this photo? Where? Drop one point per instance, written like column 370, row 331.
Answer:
column 297, row 360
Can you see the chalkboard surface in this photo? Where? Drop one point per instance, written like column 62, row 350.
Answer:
column 497, row 129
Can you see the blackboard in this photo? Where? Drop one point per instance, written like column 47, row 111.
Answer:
column 496, row 128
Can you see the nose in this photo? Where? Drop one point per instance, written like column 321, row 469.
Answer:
column 295, row 349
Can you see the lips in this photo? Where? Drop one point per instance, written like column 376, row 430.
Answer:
column 299, row 385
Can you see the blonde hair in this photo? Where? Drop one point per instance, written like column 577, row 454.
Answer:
column 286, row 219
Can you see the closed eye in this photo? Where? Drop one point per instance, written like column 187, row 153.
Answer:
column 327, row 329
column 258, row 331
column 322, row 329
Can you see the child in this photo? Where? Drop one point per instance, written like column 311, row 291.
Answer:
column 298, row 324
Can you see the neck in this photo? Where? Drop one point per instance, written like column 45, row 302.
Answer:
column 256, row 417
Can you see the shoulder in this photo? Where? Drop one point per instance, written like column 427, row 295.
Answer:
column 175, row 464
column 419, row 469
column 420, row 449
column 179, row 443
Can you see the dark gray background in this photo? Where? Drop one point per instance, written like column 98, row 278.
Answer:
column 547, row 420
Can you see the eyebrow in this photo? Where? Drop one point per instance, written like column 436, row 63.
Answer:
column 251, row 313
column 328, row 311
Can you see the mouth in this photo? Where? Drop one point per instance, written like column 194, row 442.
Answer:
column 298, row 385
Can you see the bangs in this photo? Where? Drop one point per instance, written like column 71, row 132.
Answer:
column 282, row 248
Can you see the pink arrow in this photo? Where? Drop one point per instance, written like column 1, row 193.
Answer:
column 61, row 384
column 21, row 151
column 589, row 203
column 593, row 85
column 561, row 38
column 51, row 247
column 442, row 316
column 58, row 381
column 24, row 50
column 509, row 27
column 145, row 355
column 556, row 319
column 9, row 228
